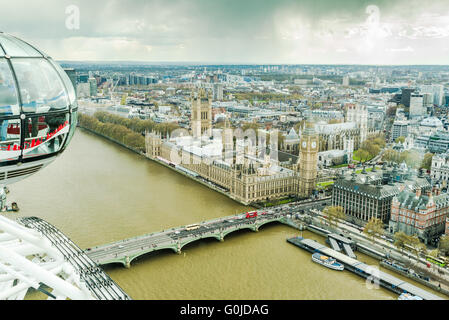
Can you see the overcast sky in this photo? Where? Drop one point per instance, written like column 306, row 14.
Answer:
column 235, row 31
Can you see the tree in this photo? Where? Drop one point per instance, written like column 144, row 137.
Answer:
column 333, row 214
column 400, row 139
column 391, row 111
column 400, row 240
column 434, row 253
column 371, row 148
column 427, row 161
column 363, row 155
column 374, row 228
column 416, row 244
column 123, row 101
column 390, row 155
column 444, row 245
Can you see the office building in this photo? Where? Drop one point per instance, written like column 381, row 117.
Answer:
column 416, row 106
column 406, row 94
column 369, row 194
column 399, row 129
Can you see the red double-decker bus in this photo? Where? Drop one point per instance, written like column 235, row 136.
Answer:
column 251, row 214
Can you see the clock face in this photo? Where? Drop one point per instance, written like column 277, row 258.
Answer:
column 313, row 144
column 304, row 144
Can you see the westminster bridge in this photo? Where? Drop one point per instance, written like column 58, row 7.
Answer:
column 125, row 251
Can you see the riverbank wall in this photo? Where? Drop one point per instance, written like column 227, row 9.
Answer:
column 415, row 278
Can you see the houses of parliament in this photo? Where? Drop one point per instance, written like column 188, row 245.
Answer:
column 247, row 172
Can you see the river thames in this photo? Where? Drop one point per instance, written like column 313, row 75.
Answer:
column 97, row 192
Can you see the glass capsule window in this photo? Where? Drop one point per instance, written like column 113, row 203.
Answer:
column 41, row 87
column 9, row 103
column 37, row 104
column 15, row 47
column 67, row 82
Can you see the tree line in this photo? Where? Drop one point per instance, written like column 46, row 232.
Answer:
column 136, row 125
column 114, row 131
column 371, row 148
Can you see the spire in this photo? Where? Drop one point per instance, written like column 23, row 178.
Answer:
column 309, row 126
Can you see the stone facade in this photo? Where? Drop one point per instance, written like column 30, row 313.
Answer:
column 359, row 115
column 439, row 170
column 307, row 161
column 201, row 116
column 369, row 194
column 421, row 214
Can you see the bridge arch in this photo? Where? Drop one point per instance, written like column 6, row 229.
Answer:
column 112, row 262
column 250, row 227
column 215, row 236
column 142, row 253
column 266, row 222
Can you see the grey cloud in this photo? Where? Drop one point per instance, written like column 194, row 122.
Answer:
column 291, row 31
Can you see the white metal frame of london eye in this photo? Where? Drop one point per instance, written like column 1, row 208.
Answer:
column 28, row 260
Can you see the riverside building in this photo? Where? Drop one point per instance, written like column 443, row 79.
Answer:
column 423, row 214
column 369, row 194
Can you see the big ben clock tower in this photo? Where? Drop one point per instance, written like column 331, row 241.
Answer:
column 307, row 162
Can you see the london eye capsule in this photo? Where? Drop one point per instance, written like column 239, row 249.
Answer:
column 38, row 109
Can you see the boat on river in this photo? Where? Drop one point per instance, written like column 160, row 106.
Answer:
column 326, row 261
column 408, row 296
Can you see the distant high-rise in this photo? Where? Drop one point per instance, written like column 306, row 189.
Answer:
column 437, row 91
column 416, row 105
column 93, row 86
column 427, row 99
column 406, row 94
column 72, row 75
column 346, row 80
column 218, row 91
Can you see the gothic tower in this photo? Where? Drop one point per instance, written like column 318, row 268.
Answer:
column 201, row 120
column 153, row 144
column 359, row 115
column 307, row 161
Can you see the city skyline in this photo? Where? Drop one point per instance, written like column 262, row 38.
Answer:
column 253, row 32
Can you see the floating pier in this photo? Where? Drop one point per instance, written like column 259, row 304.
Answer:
column 373, row 273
